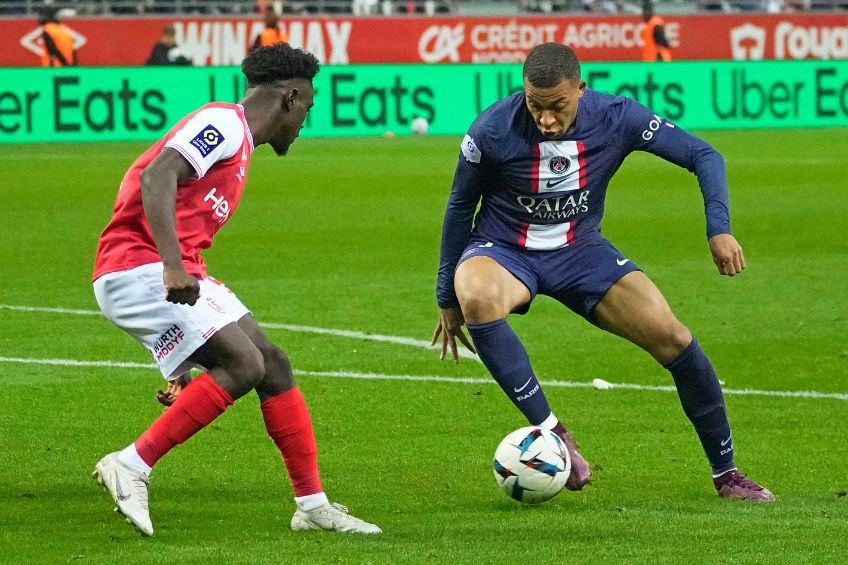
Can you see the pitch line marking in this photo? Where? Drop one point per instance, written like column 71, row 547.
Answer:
column 432, row 378
column 272, row 325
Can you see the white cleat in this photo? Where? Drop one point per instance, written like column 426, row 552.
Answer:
column 128, row 489
column 331, row 518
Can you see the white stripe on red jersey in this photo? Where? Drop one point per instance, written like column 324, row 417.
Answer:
column 216, row 141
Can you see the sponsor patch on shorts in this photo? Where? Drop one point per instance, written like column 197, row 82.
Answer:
column 166, row 342
column 207, row 140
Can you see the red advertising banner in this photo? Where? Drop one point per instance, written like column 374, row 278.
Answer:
column 356, row 40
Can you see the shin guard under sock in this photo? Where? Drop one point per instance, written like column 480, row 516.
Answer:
column 287, row 422
column 703, row 402
column 503, row 354
column 195, row 408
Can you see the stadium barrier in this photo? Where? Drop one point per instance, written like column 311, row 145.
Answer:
column 141, row 103
column 366, row 40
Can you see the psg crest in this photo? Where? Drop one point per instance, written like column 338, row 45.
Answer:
column 559, row 164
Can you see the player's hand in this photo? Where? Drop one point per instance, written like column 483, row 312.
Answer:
column 180, row 287
column 449, row 327
column 727, row 254
column 175, row 387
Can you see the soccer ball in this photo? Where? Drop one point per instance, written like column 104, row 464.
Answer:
column 531, row 465
column 420, row 126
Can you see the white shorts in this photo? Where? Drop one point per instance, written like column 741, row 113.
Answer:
column 134, row 300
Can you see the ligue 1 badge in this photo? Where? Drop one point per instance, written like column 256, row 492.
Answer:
column 211, row 136
column 207, row 140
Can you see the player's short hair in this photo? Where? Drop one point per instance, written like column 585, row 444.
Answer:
column 280, row 61
column 549, row 63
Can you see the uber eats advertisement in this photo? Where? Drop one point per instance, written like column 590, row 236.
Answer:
column 142, row 103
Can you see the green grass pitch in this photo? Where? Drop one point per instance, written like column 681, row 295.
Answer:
column 343, row 235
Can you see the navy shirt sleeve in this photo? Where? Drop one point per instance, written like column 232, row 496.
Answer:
column 466, row 192
column 645, row 131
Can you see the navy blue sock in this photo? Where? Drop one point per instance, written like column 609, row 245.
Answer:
column 703, row 402
column 502, row 353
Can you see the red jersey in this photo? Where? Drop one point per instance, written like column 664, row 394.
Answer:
column 216, row 141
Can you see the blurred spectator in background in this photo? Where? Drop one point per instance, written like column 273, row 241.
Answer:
column 365, row 7
column 789, row 6
column 655, row 45
column 57, row 40
column 262, row 5
column 166, row 51
column 271, row 34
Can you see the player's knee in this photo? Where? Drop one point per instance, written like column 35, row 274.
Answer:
column 277, row 358
column 679, row 337
column 480, row 299
column 278, row 373
column 674, row 338
column 249, row 368
column 278, row 367
column 482, row 308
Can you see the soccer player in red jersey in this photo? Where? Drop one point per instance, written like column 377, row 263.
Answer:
column 150, row 280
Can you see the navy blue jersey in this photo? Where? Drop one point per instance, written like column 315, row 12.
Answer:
column 537, row 194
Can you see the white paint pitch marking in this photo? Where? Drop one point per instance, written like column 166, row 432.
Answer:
column 408, row 341
column 432, row 378
column 72, row 311
column 362, row 335
column 75, row 363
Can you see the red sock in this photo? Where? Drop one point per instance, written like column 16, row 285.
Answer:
column 288, row 424
column 195, row 408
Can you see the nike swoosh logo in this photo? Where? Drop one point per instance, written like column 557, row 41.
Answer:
column 725, row 442
column 552, row 183
column 622, row 262
column 525, row 385
column 118, row 490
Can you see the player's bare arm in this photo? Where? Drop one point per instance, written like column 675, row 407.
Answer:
column 159, row 196
column 449, row 328
column 727, row 254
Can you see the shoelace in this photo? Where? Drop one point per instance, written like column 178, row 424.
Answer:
column 341, row 508
column 139, row 486
column 739, row 479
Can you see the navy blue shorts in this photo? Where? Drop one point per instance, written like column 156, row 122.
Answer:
column 578, row 275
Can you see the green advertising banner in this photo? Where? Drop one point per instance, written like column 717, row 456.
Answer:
column 141, row 103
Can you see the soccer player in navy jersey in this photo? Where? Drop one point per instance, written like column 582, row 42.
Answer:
column 538, row 163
